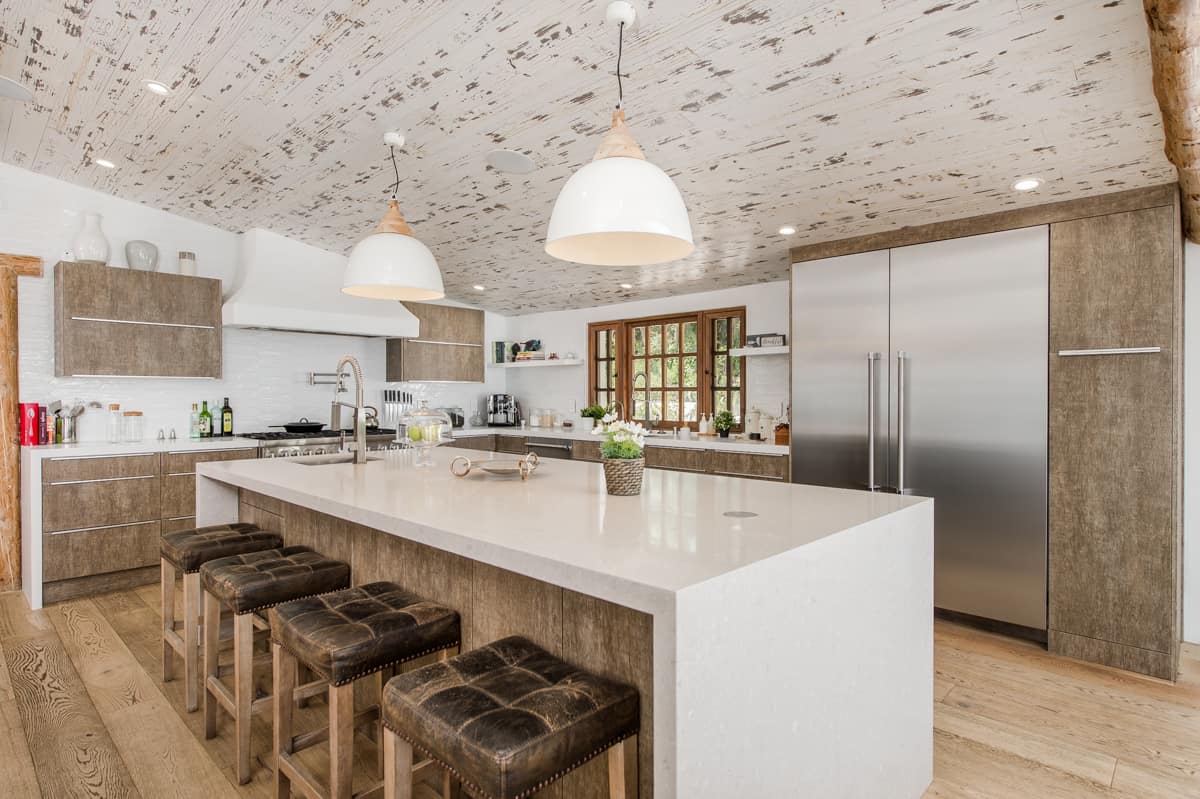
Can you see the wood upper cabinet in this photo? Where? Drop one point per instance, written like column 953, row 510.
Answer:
column 449, row 348
column 1115, row 425
column 124, row 322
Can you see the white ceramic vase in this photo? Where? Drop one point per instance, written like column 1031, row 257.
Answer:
column 90, row 244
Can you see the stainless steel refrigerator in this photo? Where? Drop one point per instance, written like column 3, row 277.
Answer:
column 924, row 370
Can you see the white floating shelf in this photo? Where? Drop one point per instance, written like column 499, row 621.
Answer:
column 750, row 351
column 527, row 364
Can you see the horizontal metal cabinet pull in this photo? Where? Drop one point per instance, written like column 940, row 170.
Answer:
column 103, row 480
column 1111, row 351
column 98, row 457
column 136, row 322
column 444, row 343
column 103, row 527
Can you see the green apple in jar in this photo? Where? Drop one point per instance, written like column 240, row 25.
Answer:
column 415, row 433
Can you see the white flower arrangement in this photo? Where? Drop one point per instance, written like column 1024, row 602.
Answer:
column 625, row 440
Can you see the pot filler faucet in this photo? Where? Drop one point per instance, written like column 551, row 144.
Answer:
column 359, row 447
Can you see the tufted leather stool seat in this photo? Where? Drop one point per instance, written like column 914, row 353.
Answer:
column 185, row 552
column 258, row 580
column 509, row 718
column 345, row 636
column 352, row 633
column 248, row 584
column 188, row 550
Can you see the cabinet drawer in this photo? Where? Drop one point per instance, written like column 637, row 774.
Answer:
column 185, row 462
column 677, row 459
column 585, row 450
column 484, row 443
column 178, row 495
column 84, row 553
column 63, row 470
column 103, row 503
column 409, row 359
column 174, row 525
column 512, row 445
column 744, row 464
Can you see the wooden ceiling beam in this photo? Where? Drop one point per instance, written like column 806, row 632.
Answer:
column 1175, row 56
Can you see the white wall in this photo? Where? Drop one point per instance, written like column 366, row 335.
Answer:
column 1191, row 442
column 565, row 388
column 265, row 372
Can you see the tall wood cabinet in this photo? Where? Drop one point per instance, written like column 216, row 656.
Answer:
column 1115, row 439
column 122, row 322
column 449, row 348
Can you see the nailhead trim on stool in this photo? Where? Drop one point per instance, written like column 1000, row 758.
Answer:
column 509, row 718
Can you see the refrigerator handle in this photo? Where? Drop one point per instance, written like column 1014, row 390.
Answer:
column 901, row 379
column 872, row 358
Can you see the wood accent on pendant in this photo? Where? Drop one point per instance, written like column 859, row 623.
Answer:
column 11, row 267
column 393, row 221
column 619, row 142
column 1175, row 57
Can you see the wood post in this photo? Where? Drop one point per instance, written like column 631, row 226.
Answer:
column 11, row 267
column 1175, row 55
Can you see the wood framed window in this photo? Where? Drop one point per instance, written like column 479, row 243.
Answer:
column 669, row 370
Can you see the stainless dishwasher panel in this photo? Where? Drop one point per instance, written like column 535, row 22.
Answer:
column 555, row 448
column 970, row 332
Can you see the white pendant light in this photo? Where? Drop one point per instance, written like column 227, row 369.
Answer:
column 619, row 210
column 391, row 264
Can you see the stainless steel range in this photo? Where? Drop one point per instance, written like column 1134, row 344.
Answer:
column 325, row 442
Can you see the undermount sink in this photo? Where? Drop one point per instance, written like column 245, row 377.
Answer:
column 658, row 433
column 329, row 460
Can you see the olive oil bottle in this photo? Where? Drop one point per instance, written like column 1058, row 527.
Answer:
column 226, row 419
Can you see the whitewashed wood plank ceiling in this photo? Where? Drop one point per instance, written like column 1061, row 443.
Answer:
column 840, row 117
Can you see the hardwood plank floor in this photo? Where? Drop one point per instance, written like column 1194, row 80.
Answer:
column 83, row 713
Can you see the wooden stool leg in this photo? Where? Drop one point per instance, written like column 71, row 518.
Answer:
column 623, row 781
column 341, row 741
column 283, row 668
column 379, row 681
column 397, row 769
column 191, row 639
column 167, row 589
column 243, row 688
column 212, row 651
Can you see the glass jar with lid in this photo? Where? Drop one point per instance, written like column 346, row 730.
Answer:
column 116, row 428
column 133, row 426
column 424, row 429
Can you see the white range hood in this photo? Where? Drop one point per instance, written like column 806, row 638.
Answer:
column 282, row 284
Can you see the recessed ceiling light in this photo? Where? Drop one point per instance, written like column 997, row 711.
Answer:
column 157, row 87
column 478, row 288
column 1026, row 184
column 510, row 161
column 626, row 285
column 786, row 230
column 104, row 162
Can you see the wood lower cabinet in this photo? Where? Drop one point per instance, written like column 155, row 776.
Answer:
column 85, row 553
column 449, row 348
column 511, row 445
column 585, row 451
column 484, row 443
column 677, row 459
column 179, row 484
column 750, row 464
column 125, row 322
column 99, row 503
column 1115, row 441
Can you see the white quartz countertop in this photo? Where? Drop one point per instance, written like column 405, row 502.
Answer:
column 84, row 449
column 561, row 526
column 579, row 434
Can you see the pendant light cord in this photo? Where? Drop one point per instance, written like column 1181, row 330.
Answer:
column 620, row 52
column 396, row 169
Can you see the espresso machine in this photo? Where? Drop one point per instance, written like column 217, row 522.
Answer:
column 502, row 411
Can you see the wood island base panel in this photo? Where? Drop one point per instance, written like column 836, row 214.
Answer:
column 785, row 650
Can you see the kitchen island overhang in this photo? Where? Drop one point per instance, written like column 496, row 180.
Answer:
column 791, row 650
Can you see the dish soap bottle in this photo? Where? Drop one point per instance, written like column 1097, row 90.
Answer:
column 206, row 425
column 194, row 422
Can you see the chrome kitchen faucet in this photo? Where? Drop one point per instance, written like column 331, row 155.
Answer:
column 359, row 447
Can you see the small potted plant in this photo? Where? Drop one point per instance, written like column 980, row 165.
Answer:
column 593, row 412
column 723, row 423
column 621, row 454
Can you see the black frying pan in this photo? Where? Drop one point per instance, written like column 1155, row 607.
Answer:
column 302, row 426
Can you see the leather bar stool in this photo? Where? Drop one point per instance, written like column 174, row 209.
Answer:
column 186, row 551
column 346, row 636
column 508, row 719
column 248, row 585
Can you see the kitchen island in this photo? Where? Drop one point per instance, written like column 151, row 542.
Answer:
column 781, row 636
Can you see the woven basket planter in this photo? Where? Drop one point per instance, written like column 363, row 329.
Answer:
column 623, row 476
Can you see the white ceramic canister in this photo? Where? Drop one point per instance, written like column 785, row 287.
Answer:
column 90, row 244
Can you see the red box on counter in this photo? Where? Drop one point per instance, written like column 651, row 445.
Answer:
column 29, row 423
